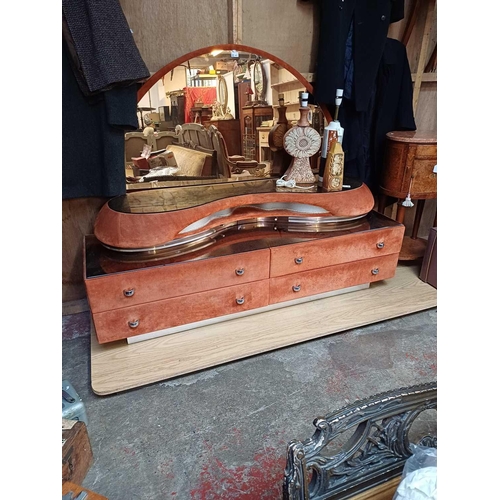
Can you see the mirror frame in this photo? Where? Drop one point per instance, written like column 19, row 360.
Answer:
column 148, row 84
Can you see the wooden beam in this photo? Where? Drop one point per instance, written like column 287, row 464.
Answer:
column 411, row 23
column 423, row 52
column 237, row 18
column 425, row 77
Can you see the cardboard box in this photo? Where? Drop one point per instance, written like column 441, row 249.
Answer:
column 221, row 66
column 166, row 159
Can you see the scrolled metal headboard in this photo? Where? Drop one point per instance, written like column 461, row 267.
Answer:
column 375, row 452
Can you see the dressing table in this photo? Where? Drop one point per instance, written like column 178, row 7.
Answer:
column 168, row 259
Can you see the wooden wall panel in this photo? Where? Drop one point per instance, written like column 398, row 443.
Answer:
column 167, row 29
column 286, row 29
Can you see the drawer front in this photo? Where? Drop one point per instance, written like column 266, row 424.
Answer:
column 427, row 151
column 424, row 179
column 263, row 138
column 296, row 286
column 168, row 313
column 147, row 285
column 318, row 254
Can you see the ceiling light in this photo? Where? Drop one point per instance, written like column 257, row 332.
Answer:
column 215, row 52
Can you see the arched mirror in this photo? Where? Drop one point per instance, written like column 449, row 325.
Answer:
column 213, row 109
column 259, row 80
column 222, row 96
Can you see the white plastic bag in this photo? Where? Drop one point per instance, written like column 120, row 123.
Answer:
column 419, row 479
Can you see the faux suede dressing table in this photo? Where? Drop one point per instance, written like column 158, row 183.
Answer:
column 170, row 258
column 253, row 277
column 183, row 278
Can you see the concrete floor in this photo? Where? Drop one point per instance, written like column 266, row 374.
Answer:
column 222, row 433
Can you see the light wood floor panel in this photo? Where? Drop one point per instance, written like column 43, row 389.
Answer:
column 121, row 366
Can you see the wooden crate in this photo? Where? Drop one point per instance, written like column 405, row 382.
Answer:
column 76, row 451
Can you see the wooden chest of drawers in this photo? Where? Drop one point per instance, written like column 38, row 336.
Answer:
column 243, row 271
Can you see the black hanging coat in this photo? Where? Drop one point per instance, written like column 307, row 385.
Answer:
column 370, row 20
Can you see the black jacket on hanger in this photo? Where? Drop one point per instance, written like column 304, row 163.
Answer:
column 93, row 136
column 101, row 73
column 370, row 21
column 390, row 108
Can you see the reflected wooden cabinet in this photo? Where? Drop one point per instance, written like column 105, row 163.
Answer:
column 252, row 118
column 230, row 130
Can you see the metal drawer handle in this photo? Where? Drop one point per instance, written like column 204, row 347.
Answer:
column 375, row 271
column 129, row 292
column 296, row 288
column 240, row 300
column 133, row 324
column 299, row 260
column 239, row 272
column 380, row 244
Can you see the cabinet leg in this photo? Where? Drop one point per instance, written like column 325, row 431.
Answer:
column 418, row 217
column 382, row 200
column 400, row 215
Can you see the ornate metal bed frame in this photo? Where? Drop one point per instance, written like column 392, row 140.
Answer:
column 375, row 452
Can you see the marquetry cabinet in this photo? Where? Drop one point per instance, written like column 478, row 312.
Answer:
column 410, row 173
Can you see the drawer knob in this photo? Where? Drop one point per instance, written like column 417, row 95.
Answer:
column 240, row 272
column 380, row 244
column 375, row 271
column 299, row 260
column 296, row 288
column 133, row 324
column 240, row 300
column 129, row 292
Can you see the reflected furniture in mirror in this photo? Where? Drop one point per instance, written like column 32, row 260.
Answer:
column 198, row 137
column 228, row 73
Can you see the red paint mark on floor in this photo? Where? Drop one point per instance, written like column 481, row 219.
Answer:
column 260, row 480
column 129, row 451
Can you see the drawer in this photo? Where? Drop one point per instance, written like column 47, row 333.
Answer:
column 335, row 250
column 147, row 285
column 296, row 286
column 428, row 152
column 154, row 316
column 263, row 137
column 424, row 179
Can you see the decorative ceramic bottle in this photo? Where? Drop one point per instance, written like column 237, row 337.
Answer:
column 333, row 176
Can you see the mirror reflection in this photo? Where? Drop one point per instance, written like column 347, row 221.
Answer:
column 215, row 118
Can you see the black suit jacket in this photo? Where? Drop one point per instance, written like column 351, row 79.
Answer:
column 371, row 19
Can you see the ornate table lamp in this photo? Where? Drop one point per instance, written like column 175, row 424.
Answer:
column 301, row 142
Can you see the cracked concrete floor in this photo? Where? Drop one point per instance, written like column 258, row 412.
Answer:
column 222, row 433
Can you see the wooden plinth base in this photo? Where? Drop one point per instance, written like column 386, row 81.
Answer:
column 412, row 249
column 120, row 366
